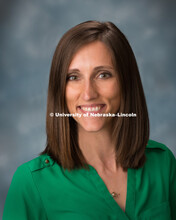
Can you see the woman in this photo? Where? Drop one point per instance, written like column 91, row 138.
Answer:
column 95, row 167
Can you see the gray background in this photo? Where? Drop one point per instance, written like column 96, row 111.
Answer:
column 30, row 31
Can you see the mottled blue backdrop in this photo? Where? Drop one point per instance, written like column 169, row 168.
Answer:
column 30, row 31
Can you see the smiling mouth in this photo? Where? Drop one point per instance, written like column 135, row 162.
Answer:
column 92, row 108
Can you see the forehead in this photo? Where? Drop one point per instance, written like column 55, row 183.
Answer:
column 92, row 54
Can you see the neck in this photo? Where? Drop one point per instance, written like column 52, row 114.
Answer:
column 98, row 149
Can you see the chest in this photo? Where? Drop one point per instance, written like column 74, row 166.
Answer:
column 84, row 195
column 117, row 186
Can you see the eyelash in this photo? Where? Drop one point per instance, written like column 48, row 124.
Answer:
column 107, row 75
column 68, row 78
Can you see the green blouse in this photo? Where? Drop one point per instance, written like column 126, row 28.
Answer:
column 41, row 189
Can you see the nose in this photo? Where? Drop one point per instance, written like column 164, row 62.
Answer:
column 89, row 90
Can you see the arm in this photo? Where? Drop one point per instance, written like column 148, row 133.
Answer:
column 23, row 200
column 172, row 184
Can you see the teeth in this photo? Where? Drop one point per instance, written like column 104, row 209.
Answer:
column 91, row 109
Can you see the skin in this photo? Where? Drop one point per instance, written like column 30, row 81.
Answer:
column 92, row 79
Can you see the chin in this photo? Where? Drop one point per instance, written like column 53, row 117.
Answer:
column 92, row 126
column 91, row 129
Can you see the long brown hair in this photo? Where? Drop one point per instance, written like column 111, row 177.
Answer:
column 131, row 133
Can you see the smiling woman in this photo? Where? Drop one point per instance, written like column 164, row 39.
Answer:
column 83, row 55
column 89, row 87
column 95, row 167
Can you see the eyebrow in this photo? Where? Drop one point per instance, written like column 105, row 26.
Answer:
column 96, row 68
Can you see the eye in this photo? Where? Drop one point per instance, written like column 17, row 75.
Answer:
column 72, row 78
column 104, row 75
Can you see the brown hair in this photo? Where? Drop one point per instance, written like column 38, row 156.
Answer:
column 131, row 133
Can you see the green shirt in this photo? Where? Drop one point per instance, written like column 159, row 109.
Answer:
column 41, row 189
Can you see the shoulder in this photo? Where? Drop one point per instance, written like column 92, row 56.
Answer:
column 24, row 177
column 158, row 148
column 160, row 162
column 25, row 171
column 156, row 145
column 24, row 199
column 40, row 162
column 158, row 153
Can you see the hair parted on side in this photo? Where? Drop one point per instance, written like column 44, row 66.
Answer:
column 131, row 133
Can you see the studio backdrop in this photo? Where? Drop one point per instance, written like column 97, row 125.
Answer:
column 30, row 31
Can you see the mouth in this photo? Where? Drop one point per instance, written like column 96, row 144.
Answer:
column 94, row 108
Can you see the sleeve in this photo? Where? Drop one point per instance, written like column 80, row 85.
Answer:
column 23, row 200
column 172, row 184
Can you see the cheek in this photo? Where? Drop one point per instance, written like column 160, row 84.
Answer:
column 111, row 90
column 71, row 95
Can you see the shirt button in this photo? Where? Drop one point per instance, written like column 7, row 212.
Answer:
column 46, row 161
